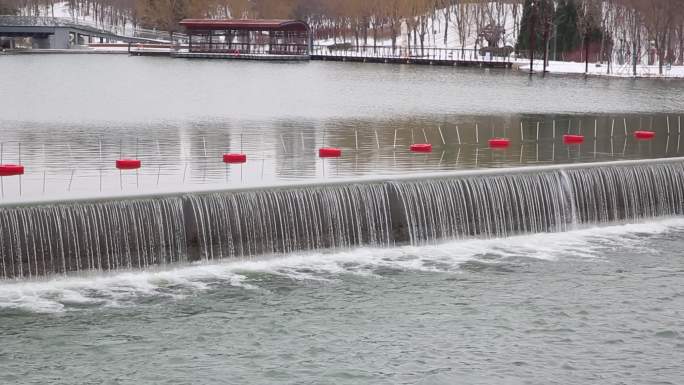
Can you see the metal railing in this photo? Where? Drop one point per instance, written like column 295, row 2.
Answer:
column 117, row 30
column 252, row 49
column 425, row 53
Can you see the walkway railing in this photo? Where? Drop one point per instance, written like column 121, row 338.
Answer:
column 425, row 53
column 118, row 30
column 253, row 49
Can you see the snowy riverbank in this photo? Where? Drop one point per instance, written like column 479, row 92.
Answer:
column 624, row 71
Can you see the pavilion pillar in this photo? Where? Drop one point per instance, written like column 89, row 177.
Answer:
column 244, row 41
column 270, row 42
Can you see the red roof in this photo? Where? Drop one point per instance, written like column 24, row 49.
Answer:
column 245, row 24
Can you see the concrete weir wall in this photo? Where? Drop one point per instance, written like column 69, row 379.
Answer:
column 128, row 232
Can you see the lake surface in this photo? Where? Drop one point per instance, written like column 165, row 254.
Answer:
column 67, row 118
column 589, row 306
column 113, row 89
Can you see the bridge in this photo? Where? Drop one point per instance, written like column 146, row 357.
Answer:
column 64, row 33
column 414, row 55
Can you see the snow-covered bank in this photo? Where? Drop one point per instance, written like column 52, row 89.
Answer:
column 625, row 71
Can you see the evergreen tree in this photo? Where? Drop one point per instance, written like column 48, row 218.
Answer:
column 568, row 36
column 535, row 13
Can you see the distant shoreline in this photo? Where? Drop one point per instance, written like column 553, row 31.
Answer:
column 554, row 67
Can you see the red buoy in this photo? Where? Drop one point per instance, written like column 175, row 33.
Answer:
column 329, row 152
column 499, row 143
column 644, row 135
column 11, row 169
column 421, row 147
column 234, row 158
column 573, row 139
column 128, row 164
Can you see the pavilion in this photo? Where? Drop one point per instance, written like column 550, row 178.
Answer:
column 285, row 38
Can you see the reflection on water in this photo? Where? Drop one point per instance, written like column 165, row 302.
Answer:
column 66, row 160
column 180, row 116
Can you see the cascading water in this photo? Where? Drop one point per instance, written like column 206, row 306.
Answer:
column 496, row 206
column 287, row 220
column 627, row 193
column 503, row 205
column 125, row 234
column 105, row 236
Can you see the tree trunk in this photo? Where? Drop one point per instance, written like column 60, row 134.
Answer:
column 447, row 12
column 681, row 45
column 610, row 59
column 603, row 42
column 635, row 44
column 334, row 32
column 660, row 48
column 408, row 42
column 635, row 52
column 664, row 49
column 516, row 21
column 533, row 40
column 546, row 47
column 394, row 35
column 586, row 53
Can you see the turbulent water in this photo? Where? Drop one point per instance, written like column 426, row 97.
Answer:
column 593, row 306
column 416, row 281
column 139, row 233
column 40, row 240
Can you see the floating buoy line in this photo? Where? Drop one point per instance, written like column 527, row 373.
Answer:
column 235, row 158
column 128, row 164
column 494, row 143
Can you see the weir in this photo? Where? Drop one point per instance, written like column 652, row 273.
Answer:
column 45, row 238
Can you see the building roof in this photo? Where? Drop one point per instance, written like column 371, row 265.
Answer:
column 245, row 24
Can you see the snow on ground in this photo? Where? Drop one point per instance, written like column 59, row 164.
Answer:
column 434, row 38
column 559, row 67
column 63, row 10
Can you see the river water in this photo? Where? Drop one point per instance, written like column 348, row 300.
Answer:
column 67, row 119
column 594, row 306
column 587, row 306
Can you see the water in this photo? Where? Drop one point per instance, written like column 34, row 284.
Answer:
column 180, row 116
column 594, row 306
column 146, row 89
column 141, row 232
column 43, row 240
column 561, row 277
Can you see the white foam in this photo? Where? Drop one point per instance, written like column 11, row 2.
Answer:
column 122, row 288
